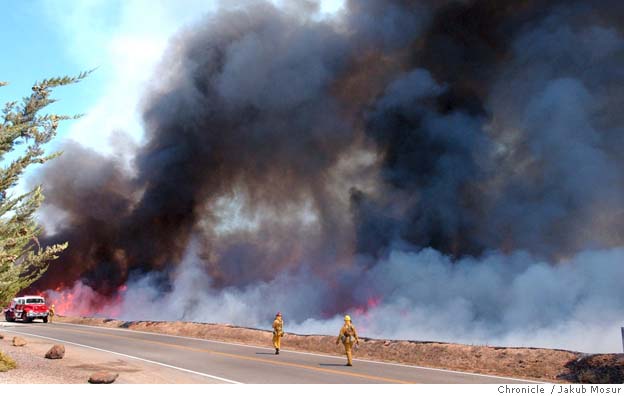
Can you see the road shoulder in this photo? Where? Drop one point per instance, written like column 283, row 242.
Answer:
column 79, row 363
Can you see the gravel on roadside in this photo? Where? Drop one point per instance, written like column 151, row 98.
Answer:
column 79, row 363
column 33, row 368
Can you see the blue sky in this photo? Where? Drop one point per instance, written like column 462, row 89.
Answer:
column 33, row 49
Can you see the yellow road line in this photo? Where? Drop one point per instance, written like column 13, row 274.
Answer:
column 231, row 355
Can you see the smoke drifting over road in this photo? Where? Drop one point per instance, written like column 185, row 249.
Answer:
column 440, row 169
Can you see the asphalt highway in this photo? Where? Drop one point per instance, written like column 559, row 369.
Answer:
column 237, row 363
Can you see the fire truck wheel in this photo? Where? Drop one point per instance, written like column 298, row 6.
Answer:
column 45, row 319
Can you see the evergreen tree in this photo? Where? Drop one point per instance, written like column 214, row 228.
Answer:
column 23, row 133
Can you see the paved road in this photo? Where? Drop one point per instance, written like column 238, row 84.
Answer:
column 234, row 363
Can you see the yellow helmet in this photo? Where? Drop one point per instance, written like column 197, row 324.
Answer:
column 347, row 318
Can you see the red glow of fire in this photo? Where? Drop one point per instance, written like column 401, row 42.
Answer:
column 83, row 301
column 371, row 303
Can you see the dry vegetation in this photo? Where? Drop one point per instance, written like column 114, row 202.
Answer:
column 532, row 363
column 6, row 363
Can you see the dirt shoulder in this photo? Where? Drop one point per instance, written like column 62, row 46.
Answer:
column 79, row 363
column 550, row 365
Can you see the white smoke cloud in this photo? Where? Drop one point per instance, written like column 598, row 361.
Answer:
column 505, row 300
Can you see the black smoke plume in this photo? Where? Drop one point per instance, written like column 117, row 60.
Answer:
column 287, row 151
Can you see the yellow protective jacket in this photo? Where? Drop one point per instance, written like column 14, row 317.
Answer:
column 348, row 334
column 278, row 327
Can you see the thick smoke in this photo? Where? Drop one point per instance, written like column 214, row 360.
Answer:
column 443, row 170
column 498, row 147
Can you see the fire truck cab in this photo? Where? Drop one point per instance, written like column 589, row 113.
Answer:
column 27, row 309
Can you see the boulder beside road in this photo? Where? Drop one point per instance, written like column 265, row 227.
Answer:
column 103, row 377
column 56, row 352
column 19, row 341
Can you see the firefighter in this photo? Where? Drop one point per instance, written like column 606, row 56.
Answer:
column 278, row 332
column 51, row 313
column 348, row 336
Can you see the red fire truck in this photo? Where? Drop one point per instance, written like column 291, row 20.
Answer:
column 27, row 309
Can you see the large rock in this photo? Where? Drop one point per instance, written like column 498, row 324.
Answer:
column 1, row 337
column 103, row 377
column 19, row 341
column 56, row 352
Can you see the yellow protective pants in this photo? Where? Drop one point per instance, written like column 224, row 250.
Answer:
column 276, row 340
column 348, row 350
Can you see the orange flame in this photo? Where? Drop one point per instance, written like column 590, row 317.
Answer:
column 81, row 300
